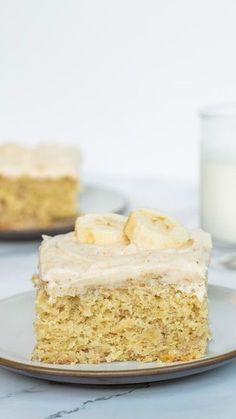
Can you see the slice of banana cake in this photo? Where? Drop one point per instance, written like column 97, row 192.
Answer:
column 38, row 185
column 122, row 288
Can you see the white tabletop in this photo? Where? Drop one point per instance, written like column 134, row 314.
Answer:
column 208, row 395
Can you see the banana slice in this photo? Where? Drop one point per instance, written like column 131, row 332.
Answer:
column 101, row 229
column 154, row 230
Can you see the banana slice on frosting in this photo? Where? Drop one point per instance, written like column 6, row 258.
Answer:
column 154, row 230
column 101, row 229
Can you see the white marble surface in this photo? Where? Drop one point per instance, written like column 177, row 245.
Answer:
column 209, row 395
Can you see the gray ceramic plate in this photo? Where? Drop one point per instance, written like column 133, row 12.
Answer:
column 17, row 340
column 92, row 199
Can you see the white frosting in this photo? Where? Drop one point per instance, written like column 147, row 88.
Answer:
column 41, row 161
column 69, row 268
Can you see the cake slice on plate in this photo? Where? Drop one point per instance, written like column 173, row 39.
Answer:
column 122, row 289
column 38, row 185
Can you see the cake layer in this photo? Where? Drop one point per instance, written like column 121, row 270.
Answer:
column 145, row 321
column 68, row 267
column 30, row 202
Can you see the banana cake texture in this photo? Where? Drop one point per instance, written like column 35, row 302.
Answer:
column 122, row 289
column 38, row 185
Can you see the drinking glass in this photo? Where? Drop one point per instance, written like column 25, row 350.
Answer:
column 218, row 179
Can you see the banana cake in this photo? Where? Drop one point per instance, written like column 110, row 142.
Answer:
column 122, row 289
column 38, row 185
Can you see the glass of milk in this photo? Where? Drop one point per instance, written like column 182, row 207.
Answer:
column 218, row 174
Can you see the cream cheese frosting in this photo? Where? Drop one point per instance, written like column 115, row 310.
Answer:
column 41, row 161
column 67, row 267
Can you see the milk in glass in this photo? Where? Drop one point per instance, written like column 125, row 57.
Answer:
column 218, row 196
